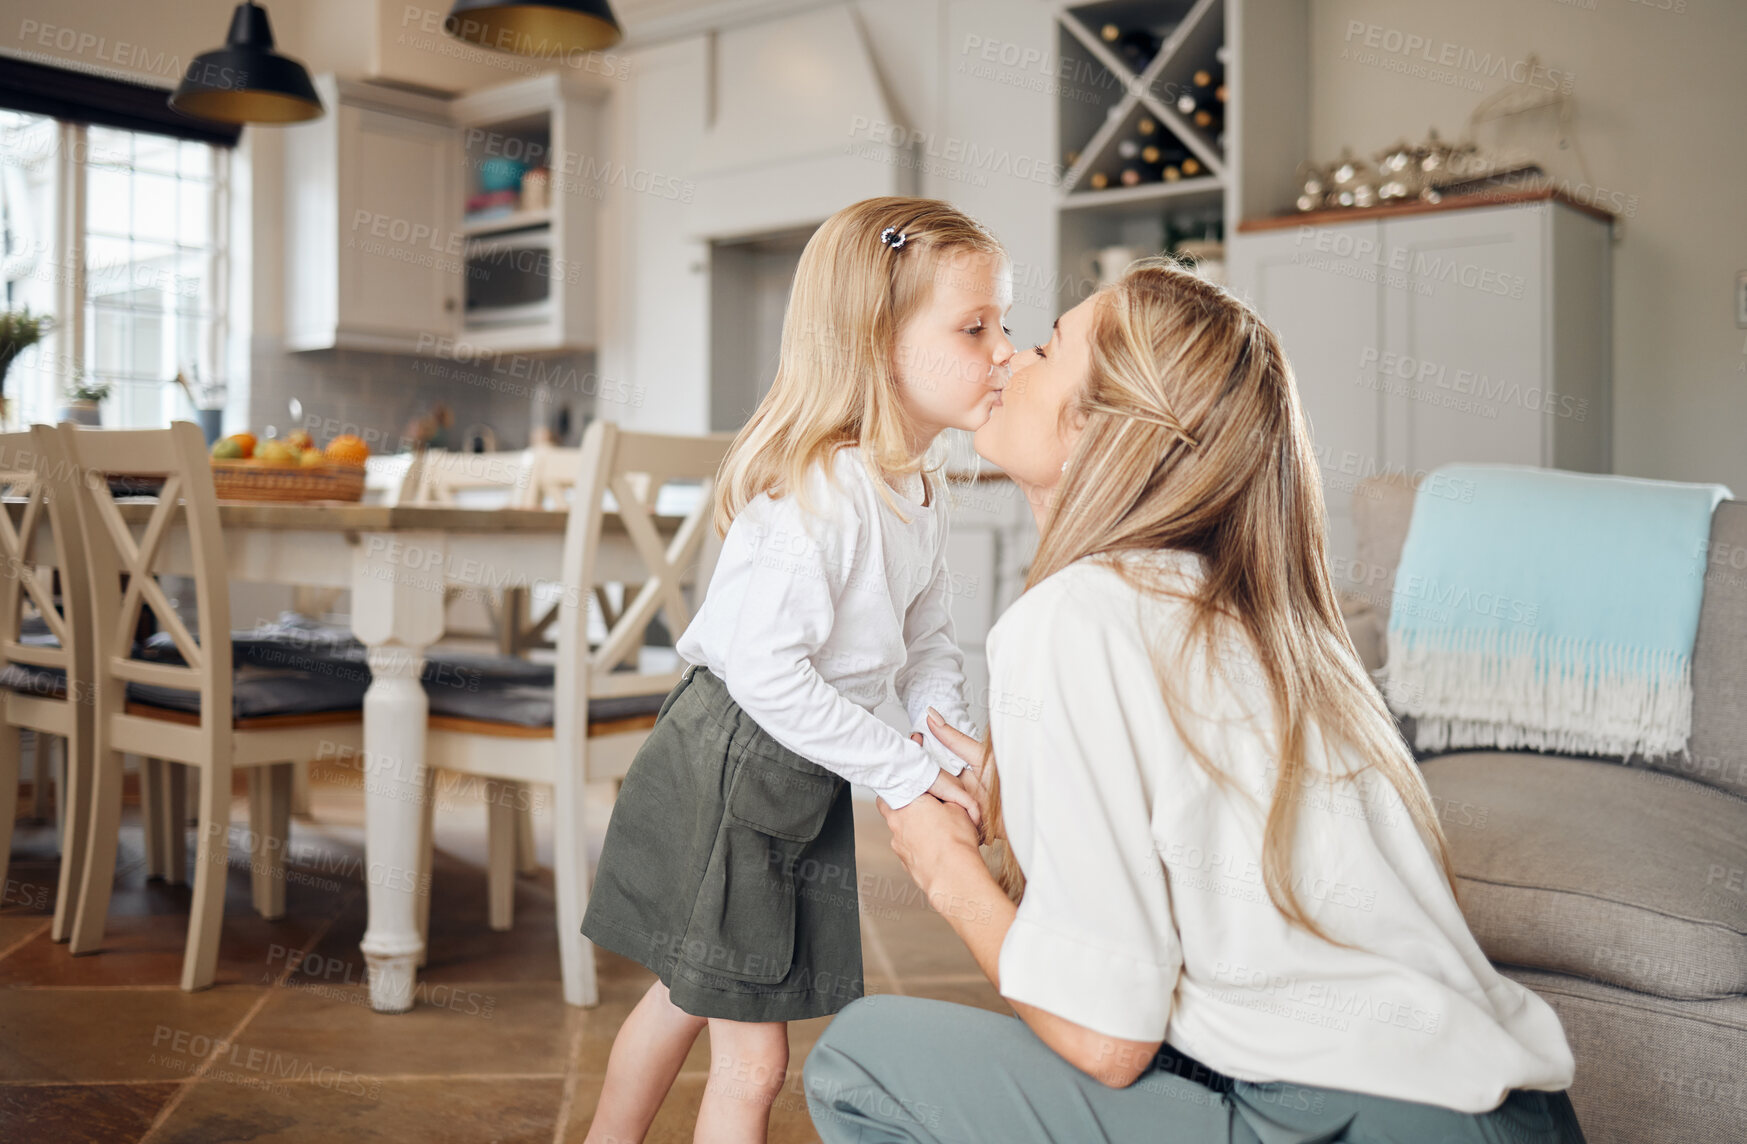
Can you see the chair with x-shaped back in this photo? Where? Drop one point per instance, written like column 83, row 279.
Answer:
column 187, row 704
column 45, row 643
column 587, row 724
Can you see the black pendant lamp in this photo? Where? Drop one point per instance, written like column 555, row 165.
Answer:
column 535, row 27
column 246, row 81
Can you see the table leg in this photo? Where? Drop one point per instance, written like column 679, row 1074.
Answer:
column 397, row 611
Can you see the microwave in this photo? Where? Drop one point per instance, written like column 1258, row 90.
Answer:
column 509, row 279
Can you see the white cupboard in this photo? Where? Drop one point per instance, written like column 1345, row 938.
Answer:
column 370, row 201
column 1462, row 334
column 381, row 252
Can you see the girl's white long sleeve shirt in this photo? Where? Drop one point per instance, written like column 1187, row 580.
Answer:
column 812, row 619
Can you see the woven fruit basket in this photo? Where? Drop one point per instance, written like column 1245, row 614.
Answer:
column 242, row 480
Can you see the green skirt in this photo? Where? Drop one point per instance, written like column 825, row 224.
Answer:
column 729, row 867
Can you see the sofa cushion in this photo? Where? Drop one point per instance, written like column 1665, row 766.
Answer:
column 1717, row 748
column 1617, row 873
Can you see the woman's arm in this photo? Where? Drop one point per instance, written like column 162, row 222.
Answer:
column 938, row 847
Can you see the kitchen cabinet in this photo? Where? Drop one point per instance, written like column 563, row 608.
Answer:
column 1419, row 338
column 381, row 250
column 372, row 253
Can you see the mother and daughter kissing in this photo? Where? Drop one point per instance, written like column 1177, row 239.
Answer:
column 1172, row 682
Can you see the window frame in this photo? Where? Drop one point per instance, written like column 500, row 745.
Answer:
column 72, row 302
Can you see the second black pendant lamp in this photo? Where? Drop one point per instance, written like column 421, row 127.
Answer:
column 535, row 27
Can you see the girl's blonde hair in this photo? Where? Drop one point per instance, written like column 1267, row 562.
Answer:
column 1193, row 439
column 836, row 377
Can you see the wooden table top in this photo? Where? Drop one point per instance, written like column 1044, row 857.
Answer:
column 337, row 516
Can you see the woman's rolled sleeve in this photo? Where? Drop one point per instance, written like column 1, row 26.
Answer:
column 1094, row 940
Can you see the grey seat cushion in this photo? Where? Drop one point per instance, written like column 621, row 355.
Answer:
column 506, row 689
column 1623, row 874
column 299, row 665
column 258, row 692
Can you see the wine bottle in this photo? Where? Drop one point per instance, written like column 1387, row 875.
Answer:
column 1191, row 167
column 1099, row 180
column 1128, row 149
column 1138, row 48
column 1132, row 177
column 1135, row 46
column 1147, row 128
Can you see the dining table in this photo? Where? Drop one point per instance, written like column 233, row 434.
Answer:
column 398, row 561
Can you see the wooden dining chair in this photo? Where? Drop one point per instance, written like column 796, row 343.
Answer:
column 185, row 705
column 598, row 712
column 45, row 642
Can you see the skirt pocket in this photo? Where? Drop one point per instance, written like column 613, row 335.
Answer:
column 743, row 924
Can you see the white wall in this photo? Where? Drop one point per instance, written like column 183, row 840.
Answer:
column 919, row 49
column 1660, row 96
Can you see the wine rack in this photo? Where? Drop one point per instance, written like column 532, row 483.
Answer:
column 1164, row 75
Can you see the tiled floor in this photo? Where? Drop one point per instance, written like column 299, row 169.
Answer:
column 285, row 1047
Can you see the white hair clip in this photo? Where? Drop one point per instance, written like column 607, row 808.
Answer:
column 895, row 243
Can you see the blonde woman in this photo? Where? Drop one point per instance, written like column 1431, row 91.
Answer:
column 729, row 863
column 1235, row 918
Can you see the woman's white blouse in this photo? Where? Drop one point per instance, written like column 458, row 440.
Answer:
column 1145, row 914
column 814, row 619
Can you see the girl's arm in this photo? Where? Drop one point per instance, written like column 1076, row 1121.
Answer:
column 933, row 673
column 799, row 564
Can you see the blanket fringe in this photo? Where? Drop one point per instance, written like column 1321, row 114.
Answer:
column 1492, row 688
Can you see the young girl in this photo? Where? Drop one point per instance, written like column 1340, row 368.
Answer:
column 729, row 864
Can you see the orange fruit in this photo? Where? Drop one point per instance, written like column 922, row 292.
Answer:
column 348, row 449
column 245, row 441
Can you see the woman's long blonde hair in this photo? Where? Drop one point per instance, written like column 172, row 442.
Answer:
column 836, row 376
column 1193, row 439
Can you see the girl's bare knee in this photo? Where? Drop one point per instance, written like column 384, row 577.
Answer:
column 749, row 1057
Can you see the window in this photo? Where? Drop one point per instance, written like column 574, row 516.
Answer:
column 119, row 236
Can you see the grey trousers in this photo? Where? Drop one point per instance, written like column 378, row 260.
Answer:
column 890, row 1069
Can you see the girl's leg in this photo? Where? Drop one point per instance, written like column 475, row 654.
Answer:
column 748, row 1064
column 647, row 1054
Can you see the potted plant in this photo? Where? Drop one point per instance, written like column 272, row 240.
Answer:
column 19, row 330
column 83, row 394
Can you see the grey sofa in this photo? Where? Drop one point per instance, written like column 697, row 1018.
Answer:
column 1617, row 892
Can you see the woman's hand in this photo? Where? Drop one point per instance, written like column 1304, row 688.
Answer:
column 966, row 748
column 936, row 841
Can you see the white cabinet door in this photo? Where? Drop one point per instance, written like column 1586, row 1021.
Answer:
column 1316, row 287
column 1463, row 361
column 400, row 263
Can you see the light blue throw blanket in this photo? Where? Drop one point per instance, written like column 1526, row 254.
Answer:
column 1549, row 610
